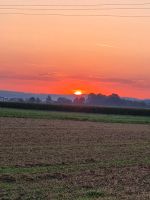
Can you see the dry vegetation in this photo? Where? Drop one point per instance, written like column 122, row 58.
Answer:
column 52, row 159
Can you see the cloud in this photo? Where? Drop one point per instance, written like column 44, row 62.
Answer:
column 102, row 79
column 105, row 45
column 141, row 83
column 57, row 76
column 118, row 80
column 29, row 77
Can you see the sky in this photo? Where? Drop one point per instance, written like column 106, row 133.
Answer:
column 94, row 48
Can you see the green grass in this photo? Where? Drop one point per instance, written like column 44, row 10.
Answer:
column 6, row 112
column 38, row 189
column 70, row 168
column 95, row 194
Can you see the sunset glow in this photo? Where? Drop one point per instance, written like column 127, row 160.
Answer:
column 46, row 53
column 78, row 92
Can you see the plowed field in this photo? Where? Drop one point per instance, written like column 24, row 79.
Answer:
column 54, row 159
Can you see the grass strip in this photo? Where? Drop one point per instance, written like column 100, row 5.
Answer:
column 51, row 115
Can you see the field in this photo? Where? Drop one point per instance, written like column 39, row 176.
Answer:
column 36, row 114
column 42, row 159
column 134, row 111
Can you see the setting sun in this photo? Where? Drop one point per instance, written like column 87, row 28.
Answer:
column 78, row 92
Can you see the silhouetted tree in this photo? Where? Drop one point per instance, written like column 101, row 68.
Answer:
column 38, row 100
column 32, row 100
column 63, row 100
column 49, row 99
column 79, row 100
column 20, row 100
column 96, row 99
column 112, row 100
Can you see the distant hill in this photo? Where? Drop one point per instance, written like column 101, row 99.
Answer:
column 147, row 101
column 23, row 95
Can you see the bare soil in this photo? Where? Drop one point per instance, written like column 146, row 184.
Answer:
column 52, row 159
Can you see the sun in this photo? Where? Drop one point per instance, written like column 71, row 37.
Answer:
column 78, row 92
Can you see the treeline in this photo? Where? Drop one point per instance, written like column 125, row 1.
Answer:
column 77, row 108
column 113, row 100
column 48, row 100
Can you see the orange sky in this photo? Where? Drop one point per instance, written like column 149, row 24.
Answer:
column 58, row 54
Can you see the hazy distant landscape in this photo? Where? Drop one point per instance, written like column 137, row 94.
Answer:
column 24, row 95
column 87, row 99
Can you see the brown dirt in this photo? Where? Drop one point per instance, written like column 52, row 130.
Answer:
column 30, row 141
column 122, row 147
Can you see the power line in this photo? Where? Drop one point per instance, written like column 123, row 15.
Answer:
column 119, row 8
column 77, row 15
column 73, row 5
